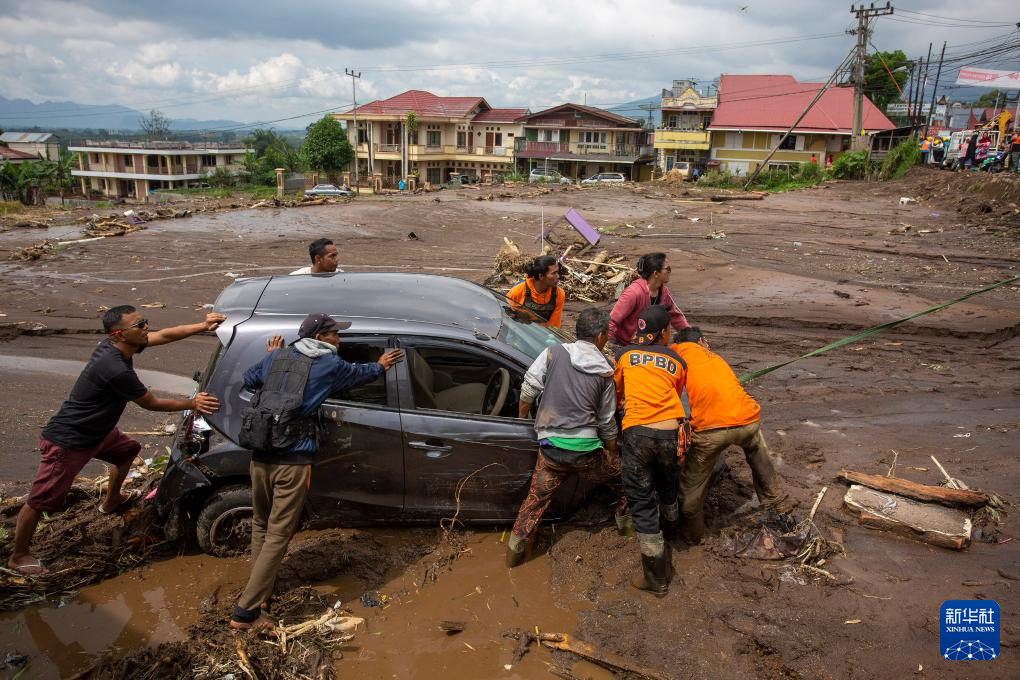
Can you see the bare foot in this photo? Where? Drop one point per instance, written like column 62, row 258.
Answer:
column 27, row 565
column 263, row 622
column 123, row 500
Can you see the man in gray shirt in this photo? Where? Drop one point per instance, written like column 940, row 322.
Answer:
column 575, row 424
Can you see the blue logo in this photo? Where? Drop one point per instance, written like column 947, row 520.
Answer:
column 970, row 630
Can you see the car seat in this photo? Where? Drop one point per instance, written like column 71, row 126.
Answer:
column 466, row 398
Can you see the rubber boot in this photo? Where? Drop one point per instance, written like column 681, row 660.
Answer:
column 515, row 550
column 625, row 525
column 655, row 568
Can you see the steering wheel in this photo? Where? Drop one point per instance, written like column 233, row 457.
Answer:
column 495, row 392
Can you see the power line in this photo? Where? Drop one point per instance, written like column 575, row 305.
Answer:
column 936, row 16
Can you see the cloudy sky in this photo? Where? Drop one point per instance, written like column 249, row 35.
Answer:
column 254, row 61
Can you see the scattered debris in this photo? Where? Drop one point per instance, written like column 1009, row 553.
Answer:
column 906, row 200
column 929, row 494
column 585, row 650
column 452, row 627
column 596, row 279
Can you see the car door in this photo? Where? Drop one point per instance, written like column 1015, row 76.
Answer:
column 359, row 471
column 472, row 465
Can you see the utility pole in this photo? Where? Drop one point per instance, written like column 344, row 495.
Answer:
column 934, row 92
column 357, row 133
column 863, row 14
column 847, row 60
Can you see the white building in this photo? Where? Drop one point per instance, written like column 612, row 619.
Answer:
column 133, row 169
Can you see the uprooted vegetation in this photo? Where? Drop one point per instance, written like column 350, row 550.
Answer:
column 305, row 644
column 81, row 546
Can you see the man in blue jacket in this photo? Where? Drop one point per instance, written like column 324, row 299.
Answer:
column 280, row 480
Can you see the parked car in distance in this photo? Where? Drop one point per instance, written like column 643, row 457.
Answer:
column 605, row 177
column 542, row 175
column 393, row 451
column 328, row 190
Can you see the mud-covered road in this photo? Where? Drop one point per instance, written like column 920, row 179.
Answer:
column 786, row 275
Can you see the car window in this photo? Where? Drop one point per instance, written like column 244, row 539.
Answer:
column 357, row 352
column 457, row 380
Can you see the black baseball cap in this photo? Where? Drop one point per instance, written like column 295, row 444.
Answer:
column 320, row 323
column 651, row 322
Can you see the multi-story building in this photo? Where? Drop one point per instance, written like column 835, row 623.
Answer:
column 37, row 144
column 132, row 169
column 445, row 136
column 754, row 111
column 579, row 141
column 683, row 133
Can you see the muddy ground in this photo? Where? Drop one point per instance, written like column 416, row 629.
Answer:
column 791, row 273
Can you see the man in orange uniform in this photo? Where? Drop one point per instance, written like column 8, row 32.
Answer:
column 649, row 380
column 538, row 292
column 722, row 413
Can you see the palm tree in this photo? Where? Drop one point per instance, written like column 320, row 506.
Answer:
column 59, row 174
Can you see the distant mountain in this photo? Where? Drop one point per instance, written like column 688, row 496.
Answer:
column 633, row 109
column 21, row 113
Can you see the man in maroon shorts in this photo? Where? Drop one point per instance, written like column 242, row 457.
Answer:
column 85, row 427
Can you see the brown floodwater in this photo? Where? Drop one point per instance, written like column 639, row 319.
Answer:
column 402, row 639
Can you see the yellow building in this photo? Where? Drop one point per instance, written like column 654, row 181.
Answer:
column 446, row 136
column 683, row 135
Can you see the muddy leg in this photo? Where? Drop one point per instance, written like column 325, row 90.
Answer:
column 28, row 519
column 766, row 481
column 546, row 478
column 706, row 447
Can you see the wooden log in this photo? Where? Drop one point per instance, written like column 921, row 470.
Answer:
column 934, row 524
column 613, row 662
column 921, row 492
column 738, row 197
column 596, row 262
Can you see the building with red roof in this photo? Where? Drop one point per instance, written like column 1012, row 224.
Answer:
column 580, row 141
column 9, row 155
column 754, row 111
column 445, row 137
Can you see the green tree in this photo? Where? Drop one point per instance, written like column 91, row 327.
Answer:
column 326, row 147
column 880, row 86
column 988, row 99
column 59, row 177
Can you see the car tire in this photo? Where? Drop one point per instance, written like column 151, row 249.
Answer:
column 223, row 528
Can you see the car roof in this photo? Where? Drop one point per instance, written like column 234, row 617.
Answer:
column 425, row 299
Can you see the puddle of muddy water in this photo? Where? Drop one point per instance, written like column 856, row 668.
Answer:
column 148, row 606
column 157, row 603
column 403, row 640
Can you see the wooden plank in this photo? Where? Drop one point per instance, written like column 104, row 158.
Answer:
column 920, row 492
column 934, row 524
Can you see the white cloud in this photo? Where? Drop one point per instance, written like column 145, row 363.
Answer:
column 531, row 53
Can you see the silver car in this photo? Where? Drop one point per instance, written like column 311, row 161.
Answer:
column 551, row 176
column 605, row 177
column 328, row 190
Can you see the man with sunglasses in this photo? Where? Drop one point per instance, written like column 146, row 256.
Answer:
column 85, row 427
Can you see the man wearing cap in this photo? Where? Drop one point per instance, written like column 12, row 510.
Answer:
column 723, row 414
column 280, row 480
column 649, row 381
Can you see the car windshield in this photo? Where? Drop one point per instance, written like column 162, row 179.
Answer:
column 521, row 330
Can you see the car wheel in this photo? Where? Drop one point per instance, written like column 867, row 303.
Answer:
column 223, row 528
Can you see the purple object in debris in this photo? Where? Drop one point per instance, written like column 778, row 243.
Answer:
column 582, row 226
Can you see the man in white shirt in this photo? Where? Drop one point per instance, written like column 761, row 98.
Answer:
column 324, row 256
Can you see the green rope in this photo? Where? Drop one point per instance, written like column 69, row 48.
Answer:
column 747, row 377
